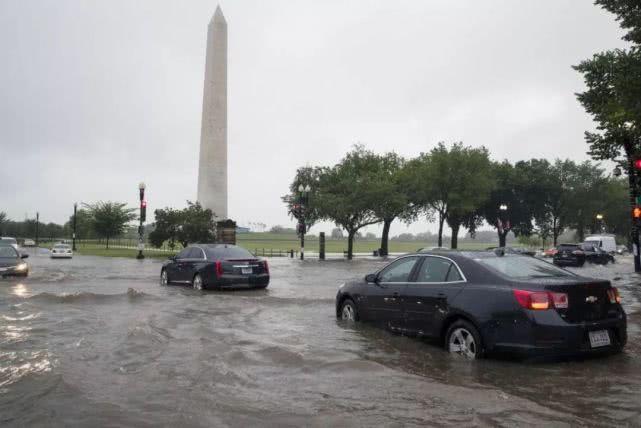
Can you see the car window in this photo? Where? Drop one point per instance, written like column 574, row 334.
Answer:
column 436, row 269
column 196, row 253
column 515, row 266
column 184, row 254
column 229, row 252
column 8, row 252
column 398, row 271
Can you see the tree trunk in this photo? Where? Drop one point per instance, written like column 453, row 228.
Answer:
column 555, row 232
column 107, row 242
column 350, row 244
column 455, row 229
column 580, row 232
column 441, row 220
column 385, row 237
column 503, row 237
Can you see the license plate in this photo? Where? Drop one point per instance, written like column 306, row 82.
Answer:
column 246, row 270
column 564, row 255
column 599, row 338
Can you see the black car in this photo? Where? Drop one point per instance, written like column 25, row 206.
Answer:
column 578, row 254
column 12, row 263
column 595, row 254
column 215, row 266
column 475, row 303
column 569, row 255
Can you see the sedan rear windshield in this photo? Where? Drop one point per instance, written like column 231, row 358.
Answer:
column 218, row 253
column 8, row 252
column 515, row 266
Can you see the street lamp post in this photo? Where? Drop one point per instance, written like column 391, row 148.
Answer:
column 503, row 224
column 37, row 224
column 599, row 223
column 143, row 215
column 75, row 216
column 303, row 199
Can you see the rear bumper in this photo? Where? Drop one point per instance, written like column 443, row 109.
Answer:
column 241, row 282
column 61, row 256
column 549, row 337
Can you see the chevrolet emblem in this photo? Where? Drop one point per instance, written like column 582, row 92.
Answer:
column 591, row 299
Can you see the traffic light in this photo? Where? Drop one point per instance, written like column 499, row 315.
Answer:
column 636, row 213
column 637, row 164
column 143, row 211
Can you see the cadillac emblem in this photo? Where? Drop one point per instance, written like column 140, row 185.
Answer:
column 591, row 299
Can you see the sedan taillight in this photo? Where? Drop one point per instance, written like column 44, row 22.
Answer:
column 614, row 296
column 219, row 268
column 578, row 252
column 541, row 300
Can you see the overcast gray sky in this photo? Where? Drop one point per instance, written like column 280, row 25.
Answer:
column 97, row 96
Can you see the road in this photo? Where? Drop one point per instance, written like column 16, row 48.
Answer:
column 97, row 342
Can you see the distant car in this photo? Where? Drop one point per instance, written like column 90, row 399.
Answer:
column 61, row 251
column 6, row 240
column 29, row 243
column 215, row 266
column 594, row 254
column 12, row 262
column 476, row 303
column 550, row 252
column 514, row 250
column 622, row 249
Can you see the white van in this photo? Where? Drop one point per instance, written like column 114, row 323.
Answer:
column 605, row 242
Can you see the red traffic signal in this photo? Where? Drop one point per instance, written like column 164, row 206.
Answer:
column 143, row 204
column 637, row 164
column 636, row 213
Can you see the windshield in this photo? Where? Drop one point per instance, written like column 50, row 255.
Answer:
column 218, row 253
column 8, row 252
column 523, row 267
column 8, row 240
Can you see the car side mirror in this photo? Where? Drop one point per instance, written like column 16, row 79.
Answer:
column 371, row 278
column 24, row 256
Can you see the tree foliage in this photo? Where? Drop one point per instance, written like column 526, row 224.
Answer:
column 189, row 225
column 109, row 219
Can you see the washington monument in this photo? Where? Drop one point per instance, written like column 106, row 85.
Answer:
column 212, row 168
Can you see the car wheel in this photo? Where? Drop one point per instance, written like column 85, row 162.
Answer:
column 462, row 338
column 348, row 311
column 197, row 282
column 164, row 278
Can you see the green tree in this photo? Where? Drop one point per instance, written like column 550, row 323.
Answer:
column 615, row 209
column 3, row 220
column 587, row 180
column 197, row 225
column 509, row 190
column 167, row 227
column 305, row 176
column 83, row 225
column 346, row 194
column 391, row 198
column 454, row 182
column 109, row 219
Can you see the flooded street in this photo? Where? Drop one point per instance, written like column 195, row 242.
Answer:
column 98, row 342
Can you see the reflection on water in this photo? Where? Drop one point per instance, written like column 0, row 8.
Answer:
column 99, row 341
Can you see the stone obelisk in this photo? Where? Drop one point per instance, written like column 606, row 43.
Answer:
column 212, row 168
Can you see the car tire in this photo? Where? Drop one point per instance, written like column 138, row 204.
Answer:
column 197, row 282
column 164, row 277
column 464, row 339
column 348, row 311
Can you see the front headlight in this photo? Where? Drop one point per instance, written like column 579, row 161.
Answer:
column 21, row 267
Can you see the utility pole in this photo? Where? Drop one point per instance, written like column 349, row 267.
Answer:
column 75, row 217
column 143, row 217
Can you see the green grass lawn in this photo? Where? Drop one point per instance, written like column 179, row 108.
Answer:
column 271, row 243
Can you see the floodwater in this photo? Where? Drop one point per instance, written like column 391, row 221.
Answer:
column 97, row 342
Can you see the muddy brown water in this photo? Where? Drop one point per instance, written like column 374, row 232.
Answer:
column 97, row 342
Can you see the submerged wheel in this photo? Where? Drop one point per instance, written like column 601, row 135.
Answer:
column 348, row 311
column 197, row 282
column 164, row 278
column 462, row 338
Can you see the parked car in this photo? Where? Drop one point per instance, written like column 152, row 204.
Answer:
column 606, row 243
column 61, row 251
column 594, row 254
column 478, row 303
column 29, row 243
column 215, row 266
column 569, row 255
column 622, row 249
column 12, row 262
column 7, row 240
column 514, row 250
column 550, row 252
